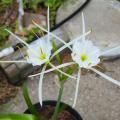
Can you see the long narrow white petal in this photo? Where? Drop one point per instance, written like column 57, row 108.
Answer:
column 13, row 61
column 22, row 41
column 48, row 22
column 63, row 72
column 60, row 40
column 83, row 23
column 21, row 51
column 40, row 85
column 110, row 50
column 77, row 88
column 106, row 77
column 52, row 35
column 68, row 44
column 52, row 69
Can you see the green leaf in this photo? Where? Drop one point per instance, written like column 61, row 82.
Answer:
column 28, row 101
column 17, row 117
column 69, row 71
column 59, row 60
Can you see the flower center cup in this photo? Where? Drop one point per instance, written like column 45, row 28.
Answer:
column 83, row 57
column 42, row 56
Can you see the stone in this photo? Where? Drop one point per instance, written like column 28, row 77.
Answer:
column 28, row 24
column 29, row 17
column 102, row 16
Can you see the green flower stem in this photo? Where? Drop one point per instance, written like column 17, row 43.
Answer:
column 55, row 115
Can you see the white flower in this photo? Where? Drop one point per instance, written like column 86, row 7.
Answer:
column 39, row 52
column 85, row 54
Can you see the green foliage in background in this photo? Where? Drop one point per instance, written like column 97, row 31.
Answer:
column 32, row 34
column 3, row 35
column 31, row 4
column 54, row 4
column 5, row 3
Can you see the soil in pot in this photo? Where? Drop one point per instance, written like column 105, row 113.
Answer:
column 48, row 110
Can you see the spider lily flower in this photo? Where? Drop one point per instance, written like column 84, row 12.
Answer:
column 42, row 49
column 85, row 54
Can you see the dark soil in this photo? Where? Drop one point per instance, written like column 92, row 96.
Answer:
column 7, row 91
column 47, row 111
column 9, row 15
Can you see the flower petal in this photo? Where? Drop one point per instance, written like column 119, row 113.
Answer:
column 77, row 88
column 13, row 61
column 52, row 34
column 63, row 72
column 48, row 22
column 68, row 44
column 22, row 41
column 106, row 77
column 110, row 50
column 55, row 68
column 40, row 85
column 83, row 23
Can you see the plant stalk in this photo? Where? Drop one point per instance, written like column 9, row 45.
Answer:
column 55, row 115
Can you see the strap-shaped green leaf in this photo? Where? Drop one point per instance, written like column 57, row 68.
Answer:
column 17, row 117
column 28, row 101
column 59, row 60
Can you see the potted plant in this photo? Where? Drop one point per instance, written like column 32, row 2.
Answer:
column 46, row 110
column 84, row 55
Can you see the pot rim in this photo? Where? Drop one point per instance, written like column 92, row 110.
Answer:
column 53, row 103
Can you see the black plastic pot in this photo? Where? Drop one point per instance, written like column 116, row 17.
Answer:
column 53, row 103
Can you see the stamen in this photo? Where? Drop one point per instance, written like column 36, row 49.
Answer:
column 42, row 54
